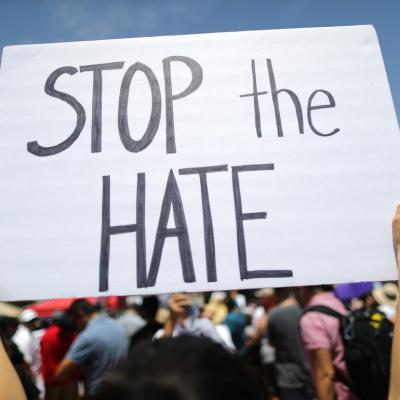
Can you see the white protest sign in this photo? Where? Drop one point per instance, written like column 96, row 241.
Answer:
column 200, row 162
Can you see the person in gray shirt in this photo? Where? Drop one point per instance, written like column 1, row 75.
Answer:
column 100, row 346
column 292, row 371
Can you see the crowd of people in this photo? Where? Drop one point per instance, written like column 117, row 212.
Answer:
column 303, row 343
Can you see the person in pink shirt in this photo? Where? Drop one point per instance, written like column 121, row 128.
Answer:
column 323, row 344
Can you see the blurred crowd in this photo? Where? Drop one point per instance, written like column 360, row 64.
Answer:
column 298, row 343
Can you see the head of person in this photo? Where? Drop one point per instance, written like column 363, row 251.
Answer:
column 304, row 294
column 231, row 304
column 282, row 294
column 386, row 295
column 133, row 304
column 149, row 307
column 182, row 368
column 63, row 321
column 266, row 298
column 81, row 312
column 30, row 319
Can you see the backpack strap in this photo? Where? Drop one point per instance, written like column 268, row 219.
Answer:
column 324, row 310
column 341, row 317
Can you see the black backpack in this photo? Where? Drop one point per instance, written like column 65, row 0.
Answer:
column 367, row 338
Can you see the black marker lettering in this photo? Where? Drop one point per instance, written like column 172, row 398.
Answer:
column 172, row 198
column 275, row 93
column 310, row 107
column 255, row 95
column 97, row 99
column 240, row 217
column 197, row 78
column 41, row 151
column 207, row 218
column 154, row 121
column 107, row 230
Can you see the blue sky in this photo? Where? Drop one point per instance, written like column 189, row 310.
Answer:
column 41, row 21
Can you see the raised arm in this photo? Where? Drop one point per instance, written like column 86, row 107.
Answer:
column 178, row 306
column 394, row 390
column 10, row 385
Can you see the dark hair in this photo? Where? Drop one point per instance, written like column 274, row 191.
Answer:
column 231, row 304
column 80, row 305
column 322, row 288
column 182, row 368
column 63, row 321
column 150, row 306
column 326, row 288
column 6, row 322
column 282, row 293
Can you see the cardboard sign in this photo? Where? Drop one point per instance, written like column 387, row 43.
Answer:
column 200, row 162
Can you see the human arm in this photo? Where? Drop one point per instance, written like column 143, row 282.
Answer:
column 394, row 388
column 66, row 369
column 261, row 327
column 10, row 385
column 79, row 354
column 324, row 371
column 314, row 333
column 178, row 306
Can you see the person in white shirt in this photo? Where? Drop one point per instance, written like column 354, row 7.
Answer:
column 27, row 338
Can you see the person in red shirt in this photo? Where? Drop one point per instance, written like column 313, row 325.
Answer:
column 54, row 345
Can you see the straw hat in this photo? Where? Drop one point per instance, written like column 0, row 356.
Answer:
column 266, row 292
column 386, row 294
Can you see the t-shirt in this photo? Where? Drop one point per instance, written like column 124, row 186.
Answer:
column 24, row 340
column 131, row 323
column 291, row 365
column 321, row 331
column 236, row 322
column 98, row 348
column 28, row 343
column 36, row 359
column 54, row 345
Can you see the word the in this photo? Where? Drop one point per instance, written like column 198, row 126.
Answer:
column 299, row 112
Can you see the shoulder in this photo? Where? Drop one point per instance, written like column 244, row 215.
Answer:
column 83, row 339
column 330, row 300
column 110, row 325
column 312, row 320
column 22, row 334
column 317, row 330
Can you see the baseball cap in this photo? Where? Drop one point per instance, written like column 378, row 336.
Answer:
column 28, row 315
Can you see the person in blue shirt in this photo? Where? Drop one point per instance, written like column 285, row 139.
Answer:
column 100, row 346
